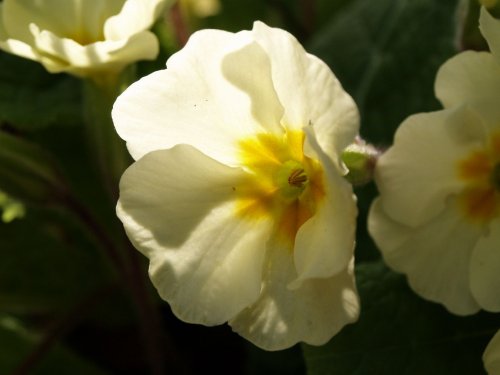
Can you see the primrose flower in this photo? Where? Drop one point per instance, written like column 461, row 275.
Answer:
column 491, row 356
column 237, row 194
column 83, row 38
column 438, row 215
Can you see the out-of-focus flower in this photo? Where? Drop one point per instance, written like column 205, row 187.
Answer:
column 488, row 3
column 491, row 356
column 438, row 215
column 83, row 38
column 237, row 195
column 201, row 8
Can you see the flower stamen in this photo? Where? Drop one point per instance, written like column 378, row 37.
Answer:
column 297, row 178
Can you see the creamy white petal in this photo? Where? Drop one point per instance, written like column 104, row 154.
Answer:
column 177, row 207
column 14, row 46
column 485, row 269
column 490, row 28
column 312, row 313
column 192, row 102
column 309, row 91
column 66, row 55
column 434, row 256
column 134, row 17
column 491, row 356
column 324, row 244
column 249, row 69
column 75, row 19
column 418, row 173
column 471, row 78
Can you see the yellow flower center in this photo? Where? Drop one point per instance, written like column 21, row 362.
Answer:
column 285, row 185
column 480, row 199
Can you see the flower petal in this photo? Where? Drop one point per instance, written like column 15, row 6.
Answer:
column 249, row 69
column 312, row 313
column 177, row 208
column 309, row 91
column 472, row 78
column 435, row 256
column 490, row 28
column 74, row 19
column 485, row 269
column 325, row 243
column 420, row 170
column 134, row 17
column 66, row 55
column 192, row 102
column 14, row 46
column 491, row 356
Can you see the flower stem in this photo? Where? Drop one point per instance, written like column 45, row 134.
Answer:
column 109, row 150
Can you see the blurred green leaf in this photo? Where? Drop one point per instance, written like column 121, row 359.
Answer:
column 237, row 15
column 283, row 362
column 11, row 208
column 47, row 264
column 386, row 54
column 27, row 172
column 400, row 333
column 31, row 98
column 16, row 343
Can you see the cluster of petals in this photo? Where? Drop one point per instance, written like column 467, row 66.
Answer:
column 237, row 195
column 438, row 215
column 84, row 38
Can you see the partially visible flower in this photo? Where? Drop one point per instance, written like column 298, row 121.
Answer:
column 488, row 3
column 237, row 194
column 83, row 38
column 491, row 356
column 201, row 8
column 438, row 215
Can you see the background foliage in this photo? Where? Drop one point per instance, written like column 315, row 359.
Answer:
column 64, row 310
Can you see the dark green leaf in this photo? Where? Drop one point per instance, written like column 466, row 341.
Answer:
column 47, row 264
column 31, row 98
column 399, row 333
column 16, row 343
column 27, row 172
column 386, row 54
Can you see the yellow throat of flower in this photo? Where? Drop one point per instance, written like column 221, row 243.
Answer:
column 480, row 170
column 284, row 185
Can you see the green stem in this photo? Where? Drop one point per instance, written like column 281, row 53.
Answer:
column 109, row 150
column 112, row 158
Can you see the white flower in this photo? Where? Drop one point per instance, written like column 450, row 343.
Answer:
column 491, row 356
column 83, row 38
column 438, row 215
column 237, row 195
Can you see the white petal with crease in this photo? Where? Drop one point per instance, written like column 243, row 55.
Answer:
column 177, row 208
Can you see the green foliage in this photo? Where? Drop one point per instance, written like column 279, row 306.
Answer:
column 400, row 333
column 46, row 261
column 31, row 98
column 28, row 172
column 11, row 208
column 16, row 343
column 386, row 54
